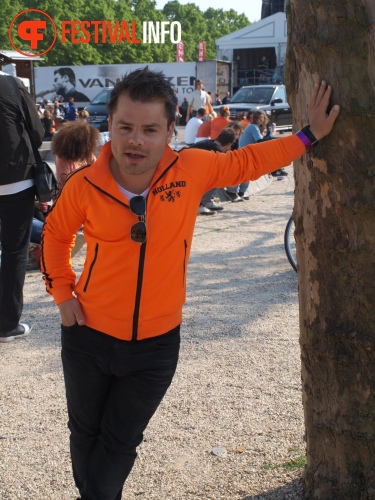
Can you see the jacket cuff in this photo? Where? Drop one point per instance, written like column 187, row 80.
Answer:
column 62, row 294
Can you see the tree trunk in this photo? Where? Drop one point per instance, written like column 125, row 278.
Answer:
column 335, row 232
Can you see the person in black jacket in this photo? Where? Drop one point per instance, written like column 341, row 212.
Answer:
column 221, row 144
column 17, row 197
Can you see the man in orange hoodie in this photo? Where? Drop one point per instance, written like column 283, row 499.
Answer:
column 120, row 320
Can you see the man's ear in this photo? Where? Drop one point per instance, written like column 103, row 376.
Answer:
column 170, row 132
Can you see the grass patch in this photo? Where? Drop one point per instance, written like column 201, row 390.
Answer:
column 268, row 465
column 297, row 461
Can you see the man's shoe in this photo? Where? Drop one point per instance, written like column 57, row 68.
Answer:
column 21, row 330
column 212, row 205
column 233, row 197
column 279, row 173
column 243, row 196
column 202, row 210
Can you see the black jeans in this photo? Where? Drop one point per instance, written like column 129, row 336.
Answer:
column 113, row 388
column 16, row 215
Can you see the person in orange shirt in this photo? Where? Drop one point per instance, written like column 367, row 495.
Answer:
column 219, row 123
column 247, row 120
column 121, row 318
column 204, row 131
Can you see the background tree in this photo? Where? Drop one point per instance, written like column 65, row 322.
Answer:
column 220, row 23
column 193, row 25
column 145, row 10
column 196, row 26
column 334, row 214
column 9, row 9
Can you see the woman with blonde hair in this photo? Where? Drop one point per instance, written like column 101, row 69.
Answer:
column 219, row 123
column 204, row 131
column 75, row 146
column 83, row 115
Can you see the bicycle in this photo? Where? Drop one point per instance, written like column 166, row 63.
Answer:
column 290, row 243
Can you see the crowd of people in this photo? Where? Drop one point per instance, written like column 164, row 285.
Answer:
column 53, row 114
column 203, row 130
column 121, row 319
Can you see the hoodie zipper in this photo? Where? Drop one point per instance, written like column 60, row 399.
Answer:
column 138, row 292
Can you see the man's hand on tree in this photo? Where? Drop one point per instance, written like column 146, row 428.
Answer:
column 320, row 122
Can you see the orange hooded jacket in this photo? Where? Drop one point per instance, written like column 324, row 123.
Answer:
column 134, row 291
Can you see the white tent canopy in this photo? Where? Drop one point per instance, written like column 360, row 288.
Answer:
column 269, row 32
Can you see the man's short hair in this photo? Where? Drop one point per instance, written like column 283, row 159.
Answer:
column 226, row 137
column 201, row 112
column 144, row 85
column 235, row 125
column 68, row 72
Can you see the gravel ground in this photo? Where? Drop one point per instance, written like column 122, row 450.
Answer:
column 232, row 420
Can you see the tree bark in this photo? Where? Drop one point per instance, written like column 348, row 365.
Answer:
column 334, row 215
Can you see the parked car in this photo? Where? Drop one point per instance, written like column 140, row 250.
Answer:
column 98, row 113
column 269, row 98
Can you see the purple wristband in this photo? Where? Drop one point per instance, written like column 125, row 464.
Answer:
column 306, row 141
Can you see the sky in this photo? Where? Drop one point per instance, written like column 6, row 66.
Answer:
column 251, row 8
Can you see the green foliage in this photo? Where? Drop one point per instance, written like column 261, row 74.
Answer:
column 9, row 9
column 220, row 23
column 196, row 26
column 297, row 462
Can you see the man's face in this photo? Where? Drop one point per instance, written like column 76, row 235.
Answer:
column 199, row 85
column 237, row 134
column 59, row 82
column 226, row 148
column 139, row 133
